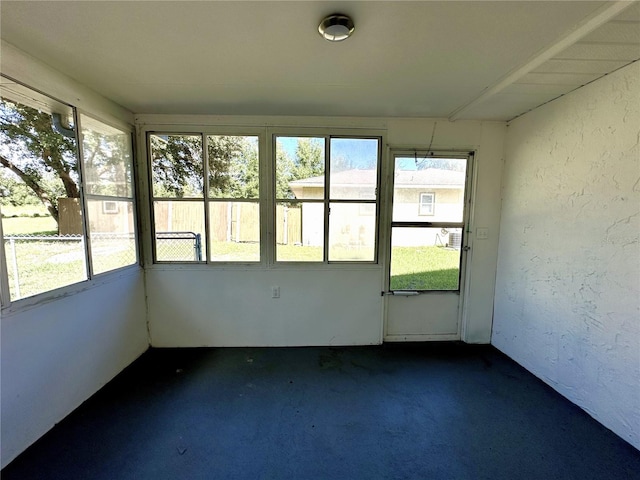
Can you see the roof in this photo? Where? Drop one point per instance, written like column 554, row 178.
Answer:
column 427, row 178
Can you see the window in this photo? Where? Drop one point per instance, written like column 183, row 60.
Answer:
column 209, row 201
column 108, row 172
column 47, row 206
column 177, row 172
column 326, row 191
column 426, row 252
column 234, row 192
column 427, row 201
column 205, row 180
column 109, row 207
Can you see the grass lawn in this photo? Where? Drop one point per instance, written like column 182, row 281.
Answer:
column 29, row 225
column 412, row 268
column 45, row 265
column 424, row 268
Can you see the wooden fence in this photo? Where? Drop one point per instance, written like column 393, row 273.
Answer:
column 229, row 221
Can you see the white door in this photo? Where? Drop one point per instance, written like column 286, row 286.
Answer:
column 427, row 246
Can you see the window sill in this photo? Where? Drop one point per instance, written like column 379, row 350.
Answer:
column 34, row 301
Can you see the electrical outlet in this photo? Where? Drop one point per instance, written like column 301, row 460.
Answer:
column 275, row 292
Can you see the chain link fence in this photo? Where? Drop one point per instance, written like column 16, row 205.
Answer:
column 178, row 246
column 39, row 263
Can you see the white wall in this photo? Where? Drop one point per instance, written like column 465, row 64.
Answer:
column 206, row 305
column 59, row 349
column 195, row 307
column 476, row 311
column 568, row 287
column 57, row 354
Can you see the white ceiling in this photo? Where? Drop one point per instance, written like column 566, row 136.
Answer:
column 477, row 59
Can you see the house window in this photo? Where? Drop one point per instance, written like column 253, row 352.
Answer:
column 326, row 197
column 48, row 207
column 206, row 191
column 427, row 203
column 109, row 207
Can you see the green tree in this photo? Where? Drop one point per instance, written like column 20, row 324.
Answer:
column 176, row 162
column 16, row 193
column 34, row 151
column 309, row 159
column 233, row 166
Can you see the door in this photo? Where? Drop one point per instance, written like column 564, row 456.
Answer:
column 427, row 246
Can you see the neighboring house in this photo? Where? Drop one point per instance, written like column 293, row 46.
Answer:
column 428, row 195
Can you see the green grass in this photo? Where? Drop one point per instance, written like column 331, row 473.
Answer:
column 29, row 225
column 46, row 265
column 424, row 268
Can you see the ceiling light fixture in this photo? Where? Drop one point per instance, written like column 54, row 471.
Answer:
column 336, row 27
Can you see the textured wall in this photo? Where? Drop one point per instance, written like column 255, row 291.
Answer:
column 567, row 290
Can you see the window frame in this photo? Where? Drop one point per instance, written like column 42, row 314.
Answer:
column 204, row 132
column 9, row 306
column 326, row 201
column 469, row 156
column 85, row 197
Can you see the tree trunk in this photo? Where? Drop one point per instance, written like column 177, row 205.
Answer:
column 34, row 186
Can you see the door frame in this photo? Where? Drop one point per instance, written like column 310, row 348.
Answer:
column 386, row 219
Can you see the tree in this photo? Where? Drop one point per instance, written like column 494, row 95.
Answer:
column 16, row 193
column 233, row 166
column 34, row 151
column 177, row 166
column 309, row 160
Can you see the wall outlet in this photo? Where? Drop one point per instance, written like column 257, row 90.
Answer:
column 275, row 292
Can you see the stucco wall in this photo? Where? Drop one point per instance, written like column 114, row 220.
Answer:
column 567, row 290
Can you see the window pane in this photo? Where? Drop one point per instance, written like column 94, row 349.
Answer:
column 300, row 167
column 179, row 229
column 443, row 178
column 234, row 231
column 37, row 264
column 354, row 169
column 425, row 258
column 112, row 234
column 299, row 232
column 107, row 159
column 351, row 232
column 427, row 201
column 176, row 162
column 233, row 166
column 40, row 188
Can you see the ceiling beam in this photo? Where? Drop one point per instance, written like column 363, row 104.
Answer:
column 589, row 24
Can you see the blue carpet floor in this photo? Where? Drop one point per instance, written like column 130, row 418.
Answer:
column 421, row 411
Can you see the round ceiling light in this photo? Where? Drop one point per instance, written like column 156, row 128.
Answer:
column 336, row 27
